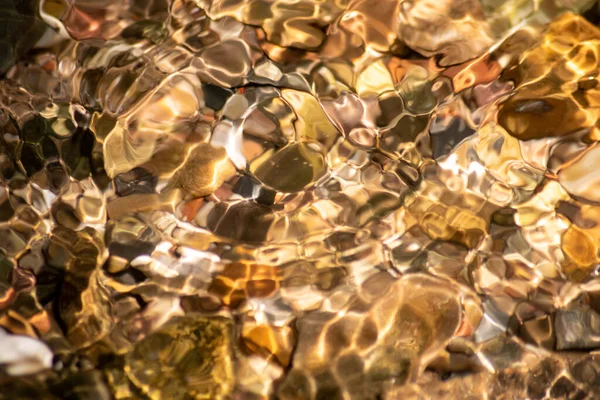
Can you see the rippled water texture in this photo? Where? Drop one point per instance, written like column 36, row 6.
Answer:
column 299, row 199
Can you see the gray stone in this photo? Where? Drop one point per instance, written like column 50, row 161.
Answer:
column 577, row 329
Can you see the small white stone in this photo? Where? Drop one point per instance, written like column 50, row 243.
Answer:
column 23, row 355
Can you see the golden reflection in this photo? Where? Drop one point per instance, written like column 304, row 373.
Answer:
column 299, row 199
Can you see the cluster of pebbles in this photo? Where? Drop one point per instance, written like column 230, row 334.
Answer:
column 308, row 199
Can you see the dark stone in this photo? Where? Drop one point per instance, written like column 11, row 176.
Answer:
column 391, row 106
column 57, row 176
column 244, row 221
column 246, row 187
column 541, row 377
column 131, row 250
column 266, row 196
column 215, row 97
column 592, row 14
column 251, row 189
column 562, row 388
column 31, row 159
column 445, row 136
column 406, row 130
column 327, row 387
column 85, row 385
column 88, row 88
column 49, row 280
column 77, row 153
column 136, row 181
column 587, row 371
column 20, row 29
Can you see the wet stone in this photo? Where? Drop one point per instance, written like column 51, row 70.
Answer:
column 448, row 134
column 189, row 357
column 135, row 181
column 293, row 168
column 317, row 199
column 204, row 170
column 577, row 329
column 215, row 96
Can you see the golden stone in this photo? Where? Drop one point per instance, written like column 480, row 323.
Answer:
column 204, row 170
column 189, row 357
